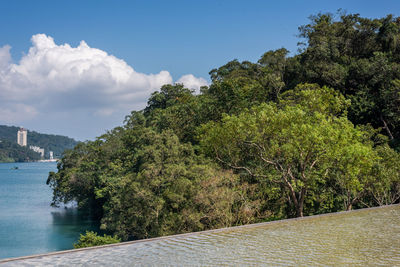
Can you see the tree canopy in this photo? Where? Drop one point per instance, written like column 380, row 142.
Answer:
column 285, row 136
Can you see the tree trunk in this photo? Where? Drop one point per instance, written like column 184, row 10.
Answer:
column 297, row 201
column 349, row 206
column 299, row 210
column 386, row 127
column 300, row 202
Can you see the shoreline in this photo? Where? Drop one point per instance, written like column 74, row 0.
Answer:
column 46, row 160
column 39, row 161
column 42, row 160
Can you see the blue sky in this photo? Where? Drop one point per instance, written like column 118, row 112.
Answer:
column 179, row 37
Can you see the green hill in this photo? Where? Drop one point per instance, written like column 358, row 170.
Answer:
column 10, row 151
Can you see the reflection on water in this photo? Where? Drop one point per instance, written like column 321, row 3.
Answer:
column 368, row 237
column 67, row 223
column 28, row 225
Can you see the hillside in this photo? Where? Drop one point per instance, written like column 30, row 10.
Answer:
column 11, row 152
column 55, row 143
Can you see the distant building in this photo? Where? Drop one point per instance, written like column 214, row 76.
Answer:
column 22, row 137
column 38, row 150
column 51, row 154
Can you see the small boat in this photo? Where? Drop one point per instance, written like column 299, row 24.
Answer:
column 15, row 168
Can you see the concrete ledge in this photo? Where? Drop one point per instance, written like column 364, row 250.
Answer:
column 194, row 233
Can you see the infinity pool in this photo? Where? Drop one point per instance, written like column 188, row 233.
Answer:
column 367, row 237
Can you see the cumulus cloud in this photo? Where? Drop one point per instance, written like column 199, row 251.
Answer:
column 82, row 74
column 192, row 82
column 5, row 57
column 61, row 78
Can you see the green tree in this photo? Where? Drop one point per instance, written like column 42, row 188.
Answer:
column 292, row 146
column 384, row 189
column 91, row 239
column 353, row 168
column 313, row 98
column 164, row 188
column 282, row 131
column 358, row 57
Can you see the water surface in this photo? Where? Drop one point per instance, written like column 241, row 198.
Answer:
column 28, row 225
column 369, row 237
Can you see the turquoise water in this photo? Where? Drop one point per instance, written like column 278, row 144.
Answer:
column 28, row 225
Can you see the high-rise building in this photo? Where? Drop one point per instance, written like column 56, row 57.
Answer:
column 22, row 137
column 51, row 155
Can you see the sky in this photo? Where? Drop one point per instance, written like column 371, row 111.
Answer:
column 77, row 68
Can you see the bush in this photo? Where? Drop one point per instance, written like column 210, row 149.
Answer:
column 91, row 239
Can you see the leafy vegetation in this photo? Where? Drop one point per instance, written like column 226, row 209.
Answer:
column 11, row 152
column 284, row 137
column 91, row 239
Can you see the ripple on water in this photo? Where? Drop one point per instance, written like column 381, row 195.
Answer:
column 364, row 238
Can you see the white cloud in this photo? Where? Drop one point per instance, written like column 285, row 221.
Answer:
column 76, row 72
column 5, row 57
column 192, row 82
column 54, row 78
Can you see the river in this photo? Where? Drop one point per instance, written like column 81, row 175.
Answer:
column 28, row 225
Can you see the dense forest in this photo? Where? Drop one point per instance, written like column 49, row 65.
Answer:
column 283, row 137
column 50, row 142
column 12, row 152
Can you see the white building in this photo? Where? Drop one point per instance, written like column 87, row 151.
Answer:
column 38, row 150
column 51, row 154
column 22, row 137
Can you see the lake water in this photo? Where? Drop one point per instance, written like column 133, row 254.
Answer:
column 369, row 237
column 28, row 225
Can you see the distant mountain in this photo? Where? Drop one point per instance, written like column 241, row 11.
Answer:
column 50, row 142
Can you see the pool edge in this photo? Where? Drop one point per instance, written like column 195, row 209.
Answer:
column 2, row 261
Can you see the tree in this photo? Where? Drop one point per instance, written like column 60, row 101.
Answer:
column 385, row 185
column 313, row 98
column 353, row 168
column 91, row 239
column 292, row 136
column 151, row 194
column 293, row 146
column 81, row 172
column 358, row 57
column 167, row 96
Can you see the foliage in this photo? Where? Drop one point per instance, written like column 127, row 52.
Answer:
column 91, row 239
column 384, row 189
column 286, row 136
column 143, row 183
column 360, row 58
column 11, row 152
column 313, row 98
column 296, row 147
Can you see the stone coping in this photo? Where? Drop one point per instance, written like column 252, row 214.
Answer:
column 192, row 233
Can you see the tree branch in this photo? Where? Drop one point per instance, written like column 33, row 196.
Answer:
column 240, row 168
column 386, row 127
